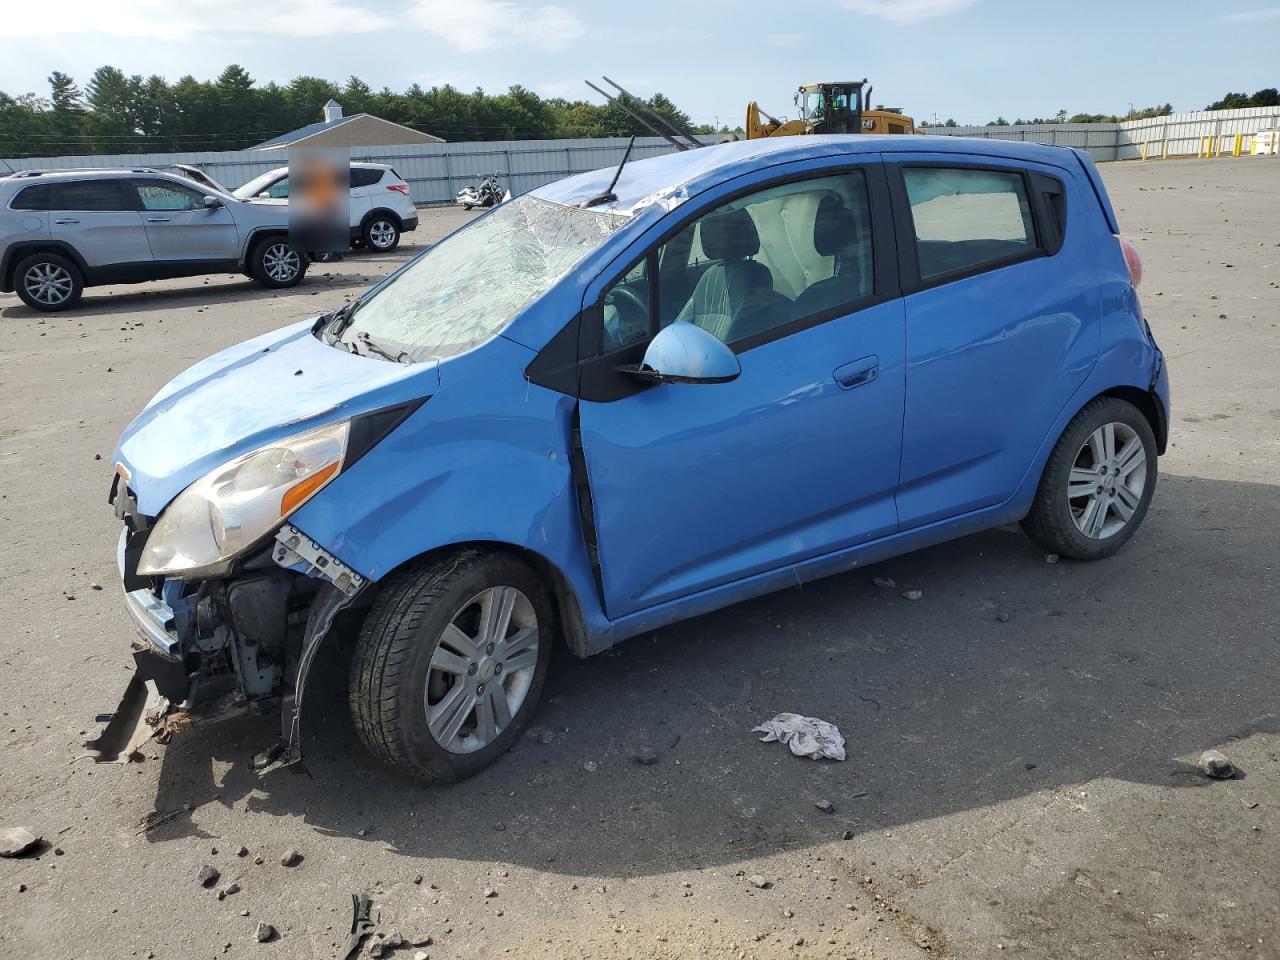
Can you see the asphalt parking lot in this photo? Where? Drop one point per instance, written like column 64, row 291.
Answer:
column 1020, row 779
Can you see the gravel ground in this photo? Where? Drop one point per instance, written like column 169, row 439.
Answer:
column 1021, row 777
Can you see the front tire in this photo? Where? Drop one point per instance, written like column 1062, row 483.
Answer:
column 276, row 264
column 48, row 282
column 450, row 664
column 1098, row 483
column 381, row 234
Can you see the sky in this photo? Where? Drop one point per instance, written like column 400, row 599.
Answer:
column 972, row 60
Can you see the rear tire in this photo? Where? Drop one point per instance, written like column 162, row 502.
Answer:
column 48, row 282
column 276, row 264
column 442, row 681
column 381, row 234
column 1098, row 483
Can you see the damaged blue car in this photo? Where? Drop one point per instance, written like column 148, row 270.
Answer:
column 631, row 397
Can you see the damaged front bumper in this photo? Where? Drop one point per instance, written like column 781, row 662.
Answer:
column 212, row 649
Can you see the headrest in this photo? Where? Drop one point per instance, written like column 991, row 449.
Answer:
column 730, row 236
column 833, row 226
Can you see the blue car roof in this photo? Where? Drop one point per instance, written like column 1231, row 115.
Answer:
column 643, row 180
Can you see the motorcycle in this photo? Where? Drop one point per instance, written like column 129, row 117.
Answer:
column 488, row 193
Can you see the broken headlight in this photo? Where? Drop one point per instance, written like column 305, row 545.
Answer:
column 230, row 508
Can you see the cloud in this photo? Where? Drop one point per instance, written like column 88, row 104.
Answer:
column 489, row 24
column 1253, row 16
column 907, row 12
column 159, row 19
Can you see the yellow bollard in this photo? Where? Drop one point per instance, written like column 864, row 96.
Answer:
column 1144, row 149
column 1164, row 150
column 1239, row 143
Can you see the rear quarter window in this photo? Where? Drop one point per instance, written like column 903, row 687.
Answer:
column 965, row 219
column 38, row 196
column 105, row 194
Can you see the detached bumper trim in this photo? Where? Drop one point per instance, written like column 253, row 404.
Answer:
column 153, row 618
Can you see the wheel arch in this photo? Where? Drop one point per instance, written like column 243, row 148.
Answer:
column 1146, row 401
column 564, row 600
column 382, row 212
column 256, row 236
column 23, row 249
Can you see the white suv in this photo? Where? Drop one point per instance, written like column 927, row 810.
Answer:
column 381, row 202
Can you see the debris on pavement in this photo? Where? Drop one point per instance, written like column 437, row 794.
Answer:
column 207, row 876
column 290, row 858
column 645, row 756
column 887, row 583
column 17, row 841
column 806, row 736
column 228, row 890
column 1216, row 766
column 912, row 594
column 826, row 806
column 265, row 932
column 361, row 925
column 759, row 882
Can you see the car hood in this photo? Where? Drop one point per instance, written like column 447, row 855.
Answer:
column 250, row 395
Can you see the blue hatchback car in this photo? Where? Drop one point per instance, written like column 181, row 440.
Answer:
column 603, row 407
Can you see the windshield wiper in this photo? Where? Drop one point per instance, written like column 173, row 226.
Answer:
column 373, row 347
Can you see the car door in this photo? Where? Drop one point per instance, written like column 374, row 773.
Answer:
column 697, row 485
column 184, row 233
column 99, row 220
column 362, row 181
column 1002, row 324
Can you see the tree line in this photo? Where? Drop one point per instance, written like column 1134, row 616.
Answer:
column 116, row 113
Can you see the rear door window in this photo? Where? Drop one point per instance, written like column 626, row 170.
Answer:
column 966, row 219
column 89, row 195
column 364, row 177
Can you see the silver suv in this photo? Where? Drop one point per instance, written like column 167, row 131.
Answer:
column 64, row 230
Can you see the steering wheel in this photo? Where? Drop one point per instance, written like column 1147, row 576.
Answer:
column 631, row 315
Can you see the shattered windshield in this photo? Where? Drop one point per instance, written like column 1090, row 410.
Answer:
column 468, row 287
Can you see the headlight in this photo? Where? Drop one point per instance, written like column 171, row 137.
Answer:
column 230, row 508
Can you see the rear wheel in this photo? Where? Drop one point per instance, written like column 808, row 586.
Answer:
column 274, row 263
column 48, row 282
column 1098, row 483
column 381, row 234
column 450, row 664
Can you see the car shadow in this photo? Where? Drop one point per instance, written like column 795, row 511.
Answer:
column 1010, row 675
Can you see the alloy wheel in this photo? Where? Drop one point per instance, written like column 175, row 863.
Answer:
column 382, row 234
column 1107, row 479
column 481, row 669
column 48, row 283
column 281, row 262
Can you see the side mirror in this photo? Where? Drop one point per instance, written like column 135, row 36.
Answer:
column 685, row 353
column 264, row 195
column 212, row 202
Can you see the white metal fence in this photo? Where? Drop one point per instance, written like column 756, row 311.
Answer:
column 437, row 171
column 1177, row 135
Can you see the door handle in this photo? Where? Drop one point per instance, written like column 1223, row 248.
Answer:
column 159, row 219
column 857, row 372
column 66, row 220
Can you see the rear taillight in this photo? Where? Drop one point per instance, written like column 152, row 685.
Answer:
column 1132, row 259
column 399, row 188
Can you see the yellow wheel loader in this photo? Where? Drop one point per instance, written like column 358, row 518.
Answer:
column 833, row 107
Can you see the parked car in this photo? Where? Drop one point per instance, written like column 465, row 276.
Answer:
column 594, row 411
column 64, row 230
column 381, row 202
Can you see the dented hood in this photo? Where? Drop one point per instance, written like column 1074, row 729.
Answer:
column 250, row 395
